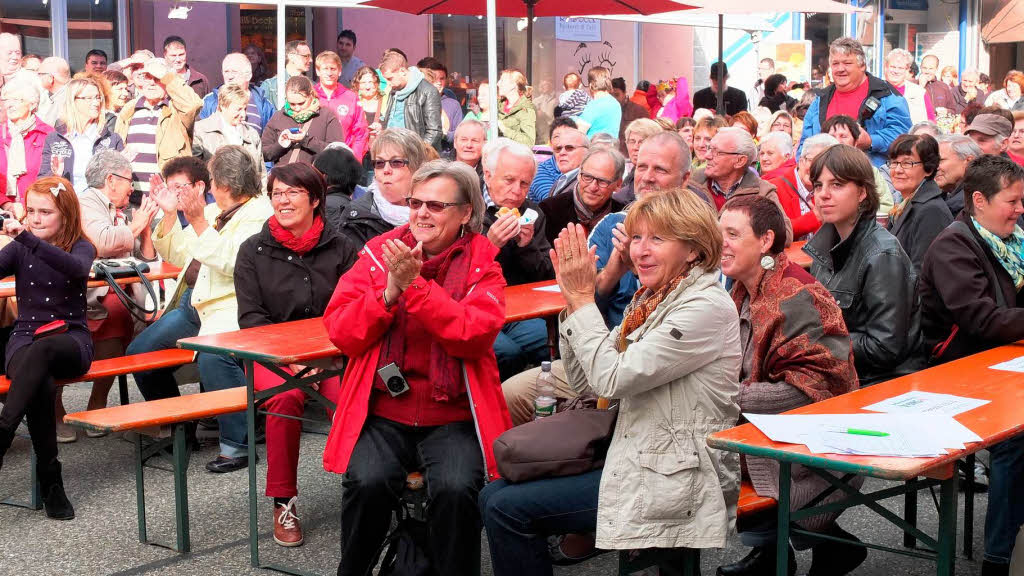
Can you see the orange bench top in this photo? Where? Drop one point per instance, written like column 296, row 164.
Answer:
column 124, row 365
column 156, row 413
column 750, row 502
column 798, row 256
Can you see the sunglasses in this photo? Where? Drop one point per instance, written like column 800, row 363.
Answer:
column 395, row 163
column 432, row 205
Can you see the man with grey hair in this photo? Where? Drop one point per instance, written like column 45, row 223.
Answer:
column 522, row 246
column 469, row 140
column 728, row 174
column 591, row 199
column 897, row 72
column 237, row 70
column 879, row 108
column 956, row 151
column 968, row 90
column 54, row 74
column 11, row 70
column 570, row 147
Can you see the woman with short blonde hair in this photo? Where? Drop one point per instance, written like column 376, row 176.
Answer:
column 228, row 126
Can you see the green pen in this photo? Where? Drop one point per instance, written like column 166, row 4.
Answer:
column 859, row 432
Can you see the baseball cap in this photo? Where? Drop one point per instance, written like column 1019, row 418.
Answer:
column 991, row 125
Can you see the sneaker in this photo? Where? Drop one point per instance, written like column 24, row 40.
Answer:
column 66, row 434
column 287, row 531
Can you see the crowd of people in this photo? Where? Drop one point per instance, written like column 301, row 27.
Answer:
column 379, row 199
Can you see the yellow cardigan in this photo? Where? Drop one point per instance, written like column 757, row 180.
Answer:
column 214, row 294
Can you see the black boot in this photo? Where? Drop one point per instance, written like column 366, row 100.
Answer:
column 760, row 562
column 51, row 486
column 6, row 437
column 835, row 559
column 993, row 569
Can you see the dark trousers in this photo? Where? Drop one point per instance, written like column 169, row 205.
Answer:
column 32, row 371
column 520, row 517
column 1005, row 499
column 373, row 484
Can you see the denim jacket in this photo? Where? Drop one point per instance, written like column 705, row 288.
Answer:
column 874, row 283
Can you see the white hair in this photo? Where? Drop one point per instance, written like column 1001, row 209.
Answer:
column 470, row 123
column 494, row 149
column 817, row 143
column 963, row 146
column 899, row 54
column 744, row 142
column 782, row 141
column 971, row 72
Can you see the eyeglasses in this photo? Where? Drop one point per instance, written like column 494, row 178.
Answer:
column 714, row 153
column 127, row 178
column 432, row 205
column 904, row 165
column 395, row 163
column 588, row 179
column 291, row 193
column 180, row 187
column 95, row 98
column 570, row 148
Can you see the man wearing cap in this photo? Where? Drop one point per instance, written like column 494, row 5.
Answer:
column 991, row 132
column 876, row 105
column 733, row 98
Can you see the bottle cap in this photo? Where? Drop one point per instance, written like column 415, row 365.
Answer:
column 545, row 366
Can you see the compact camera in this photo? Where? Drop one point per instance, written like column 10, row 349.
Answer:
column 393, row 379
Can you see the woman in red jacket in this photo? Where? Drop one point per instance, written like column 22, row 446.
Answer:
column 417, row 315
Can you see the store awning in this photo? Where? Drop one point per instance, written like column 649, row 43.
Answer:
column 1006, row 25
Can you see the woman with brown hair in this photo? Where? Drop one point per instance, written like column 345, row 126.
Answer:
column 517, row 119
column 50, row 258
column 300, row 130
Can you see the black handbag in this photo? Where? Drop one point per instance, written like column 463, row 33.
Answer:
column 112, row 270
column 406, row 553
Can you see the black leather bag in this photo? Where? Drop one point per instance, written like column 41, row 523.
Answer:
column 112, row 270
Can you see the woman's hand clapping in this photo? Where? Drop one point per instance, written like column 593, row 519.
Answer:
column 575, row 266
column 403, row 264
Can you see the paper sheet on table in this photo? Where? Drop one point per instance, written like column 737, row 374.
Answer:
column 1015, row 365
column 552, row 288
column 910, row 435
column 920, row 402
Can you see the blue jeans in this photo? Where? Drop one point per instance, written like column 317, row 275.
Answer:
column 1005, row 513
column 519, row 344
column 220, row 373
column 519, row 518
column 181, row 322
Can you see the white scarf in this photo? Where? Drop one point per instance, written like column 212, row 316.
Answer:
column 392, row 214
column 16, row 164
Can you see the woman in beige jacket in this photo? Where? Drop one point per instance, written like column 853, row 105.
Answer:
column 672, row 365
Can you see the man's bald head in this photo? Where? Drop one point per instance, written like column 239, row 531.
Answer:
column 54, row 73
column 10, row 54
column 236, row 69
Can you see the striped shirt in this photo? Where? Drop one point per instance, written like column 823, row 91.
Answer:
column 253, row 117
column 142, row 141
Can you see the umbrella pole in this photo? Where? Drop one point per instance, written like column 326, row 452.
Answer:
column 721, row 76
column 529, row 40
column 492, row 65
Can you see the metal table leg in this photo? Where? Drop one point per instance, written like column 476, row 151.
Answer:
column 782, row 530
column 946, row 553
column 910, row 515
column 181, row 458
column 250, row 415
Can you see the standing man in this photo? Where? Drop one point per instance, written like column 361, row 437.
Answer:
column 630, row 110
column 54, row 74
column 876, row 105
column 297, row 60
column 11, row 69
column 342, row 101
column 603, row 113
column 451, row 111
column 941, row 94
column 765, row 68
column 95, row 61
column 969, row 89
column 350, row 63
column 897, row 71
column 176, row 57
column 414, row 102
column 733, row 98
column 237, row 70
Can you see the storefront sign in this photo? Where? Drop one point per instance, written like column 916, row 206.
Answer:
column 578, row 29
column 792, row 59
column 908, row 4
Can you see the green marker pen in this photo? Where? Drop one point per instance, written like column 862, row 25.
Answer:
column 859, row 432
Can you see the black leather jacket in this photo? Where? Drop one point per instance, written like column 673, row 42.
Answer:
column 874, row 283
column 361, row 220
column 422, row 113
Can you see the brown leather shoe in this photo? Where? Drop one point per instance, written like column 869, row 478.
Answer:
column 287, row 530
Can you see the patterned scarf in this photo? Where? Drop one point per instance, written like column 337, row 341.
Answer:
column 305, row 115
column 898, row 209
column 449, row 270
column 16, row 162
column 1010, row 251
column 643, row 305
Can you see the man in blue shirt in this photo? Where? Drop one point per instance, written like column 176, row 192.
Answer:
column 603, row 113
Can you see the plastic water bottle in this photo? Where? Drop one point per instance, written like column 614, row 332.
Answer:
column 544, row 404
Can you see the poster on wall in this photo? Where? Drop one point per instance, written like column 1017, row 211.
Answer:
column 945, row 45
column 792, row 59
column 578, row 29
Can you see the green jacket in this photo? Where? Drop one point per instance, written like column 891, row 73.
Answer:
column 520, row 123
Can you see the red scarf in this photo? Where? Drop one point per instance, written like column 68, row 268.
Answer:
column 298, row 244
column 449, row 270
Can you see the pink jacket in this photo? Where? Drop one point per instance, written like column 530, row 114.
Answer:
column 680, row 106
column 34, row 141
column 345, row 104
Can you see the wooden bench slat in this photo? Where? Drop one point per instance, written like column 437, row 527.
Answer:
column 125, row 365
column 750, row 502
column 165, row 412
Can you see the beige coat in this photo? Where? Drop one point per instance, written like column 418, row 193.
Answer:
column 213, row 296
column 174, row 128
column 914, row 95
column 677, row 381
column 209, row 135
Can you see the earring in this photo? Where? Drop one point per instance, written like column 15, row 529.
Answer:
column 767, row 262
column 462, row 230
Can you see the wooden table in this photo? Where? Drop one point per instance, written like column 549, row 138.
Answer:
column 524, row 301
column 157, row 271
column 798, row 256
column 994, row 422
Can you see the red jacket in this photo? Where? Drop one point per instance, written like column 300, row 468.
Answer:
column 785, row 178
column 34, row 142
column 356, row 321
column 345, row 104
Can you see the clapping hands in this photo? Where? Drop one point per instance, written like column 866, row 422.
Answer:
column 575, row 266
column 403, row 264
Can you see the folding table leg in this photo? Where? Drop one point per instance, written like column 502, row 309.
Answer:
column 250, row 416
column 122, row 388
column 969, row 507
column 181, row 457
column 910, row 515
column 35, row 500
column 782, row 538
column 946, row 554
column 140, row 489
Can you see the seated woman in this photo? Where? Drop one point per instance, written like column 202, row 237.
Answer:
column 305, row 259
column 417, row 315
column 703, row 132
column 971, row 300
column 676, row 352
column 300, row 129
column 206, row 252
column 796, row 351
column 50, row 259
column 923, row 213
column 227, row 126
column 864, row 267
column 342, row 172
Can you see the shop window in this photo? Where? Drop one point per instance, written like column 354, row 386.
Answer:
column 258, row 26
column 92, row 25
column 30, row 21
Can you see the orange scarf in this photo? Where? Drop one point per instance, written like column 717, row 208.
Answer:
column 643, row 305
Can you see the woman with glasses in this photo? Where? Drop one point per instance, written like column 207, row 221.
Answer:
column 306, row 259
column 22, row 138
column 417, row 315
column 300, row 130
column 923, row 213
column 397, row 153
